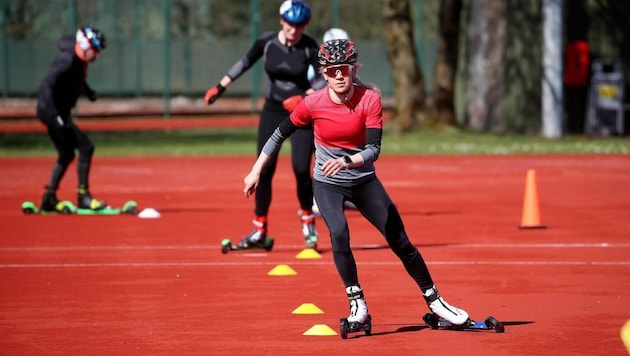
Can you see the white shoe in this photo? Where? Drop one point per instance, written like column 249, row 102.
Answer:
column 441, row 308
column 358, row 307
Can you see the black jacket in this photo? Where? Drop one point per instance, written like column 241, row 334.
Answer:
column 65, row 82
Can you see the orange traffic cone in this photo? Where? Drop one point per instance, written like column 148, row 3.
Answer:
column 531, row 213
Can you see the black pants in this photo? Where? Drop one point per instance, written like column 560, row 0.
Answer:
column 575, row 102
column 302, row 148
column 375, row 205
column 67, row 137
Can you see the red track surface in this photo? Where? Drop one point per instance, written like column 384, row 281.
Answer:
column 88, row 285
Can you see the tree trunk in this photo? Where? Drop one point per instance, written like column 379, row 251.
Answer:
column 441, row 109
column 409, row 92
column 486, row 36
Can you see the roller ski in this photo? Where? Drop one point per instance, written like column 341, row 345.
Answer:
column 129, row 208
column 255, row 240
column 67, row 208
column 227, row 246
column 51, row 206
column 348, row 327
column 435, row 322
column 359, row 319
column 87, row 205
column 61, row 207
column 307, row 218
column 446, row 316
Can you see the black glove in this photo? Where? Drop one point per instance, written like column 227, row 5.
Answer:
column 91, row 95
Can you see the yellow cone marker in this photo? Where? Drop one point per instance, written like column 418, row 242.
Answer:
column 307, row 308
column 282, row 270
column 308, row 253
column 625, row 335
column 320, row 330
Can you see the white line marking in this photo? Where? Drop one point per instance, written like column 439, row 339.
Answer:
column 297, row 247
column 297, row 263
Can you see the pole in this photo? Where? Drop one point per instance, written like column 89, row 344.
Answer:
column 255, row 32
column 137, row 51
column 552, row 99
column 73, row 16
column 167, row 57
column 5, row 52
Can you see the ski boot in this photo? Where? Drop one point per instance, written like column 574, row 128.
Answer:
column 255, row 240
column 440, row 308
column 308, row 228
column 50, row 203
column 85, row 201
column 258, row 236
column 359, row 319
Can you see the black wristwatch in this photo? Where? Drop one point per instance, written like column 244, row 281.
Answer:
column 347, row 159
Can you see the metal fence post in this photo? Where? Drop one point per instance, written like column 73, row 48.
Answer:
column 137, row 49
column 5, row 52
column 166, row 4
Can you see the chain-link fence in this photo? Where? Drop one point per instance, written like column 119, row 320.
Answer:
column 181, row 47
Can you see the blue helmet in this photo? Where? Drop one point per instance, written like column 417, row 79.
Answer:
column 295, row 12
column 95, row 37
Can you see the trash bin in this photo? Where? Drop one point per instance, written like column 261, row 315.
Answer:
column 605, row 102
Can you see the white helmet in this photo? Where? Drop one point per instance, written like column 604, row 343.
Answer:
column 336, row 34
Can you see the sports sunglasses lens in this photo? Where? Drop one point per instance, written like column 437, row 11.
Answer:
column 333, row 71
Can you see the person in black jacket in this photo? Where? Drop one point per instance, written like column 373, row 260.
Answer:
column 286, row 55
column 58, row 93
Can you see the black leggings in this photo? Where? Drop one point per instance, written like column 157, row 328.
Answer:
column 302, row 148
column 375, row 205
column 67, row 138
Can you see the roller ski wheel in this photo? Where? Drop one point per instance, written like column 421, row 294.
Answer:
column 130, row 208
column 227, row 246
column 346, row 327
column 435, row 322
column 311, row 242
column 494, row 324
column 29, row 208
column 67, row 208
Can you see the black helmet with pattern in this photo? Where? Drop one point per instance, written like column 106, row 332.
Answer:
column 335, row 52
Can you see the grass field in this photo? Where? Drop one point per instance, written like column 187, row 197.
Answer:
column 239, row 141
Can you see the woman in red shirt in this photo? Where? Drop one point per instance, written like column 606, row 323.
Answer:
column 347, row 122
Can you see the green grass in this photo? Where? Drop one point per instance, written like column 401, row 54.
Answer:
column 242, row 141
